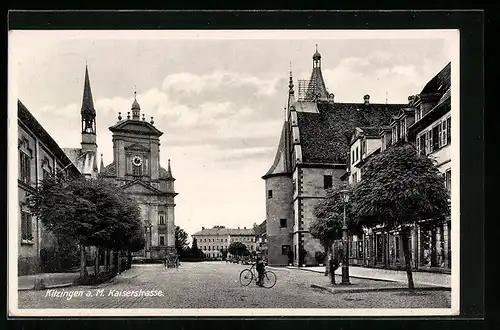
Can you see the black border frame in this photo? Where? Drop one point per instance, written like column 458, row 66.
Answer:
column 469, row 22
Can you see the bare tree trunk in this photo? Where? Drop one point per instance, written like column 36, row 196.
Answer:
column 406, row 251
column 327, row 263
column 119, row 261
column 105, row 260
column 112, row 260
column 83, row 263
column 96, row 262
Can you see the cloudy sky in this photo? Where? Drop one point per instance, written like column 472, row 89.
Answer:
column 219, row 99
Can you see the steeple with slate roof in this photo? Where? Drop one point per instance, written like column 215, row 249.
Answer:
column 317, row 88
column 88, row 111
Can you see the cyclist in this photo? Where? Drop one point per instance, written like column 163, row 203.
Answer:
column 260, row 267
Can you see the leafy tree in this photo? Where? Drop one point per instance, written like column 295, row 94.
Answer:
column 329, row 220
column 400, row 187
column 237, row 248
column 195, row 251
column 224, row 253
column 181, row 238
column 90, row 212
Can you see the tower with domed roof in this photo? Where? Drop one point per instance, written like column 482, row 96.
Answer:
column 137, row 170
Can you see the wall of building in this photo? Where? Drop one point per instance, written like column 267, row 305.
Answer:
column 278, row 207
column 310, row 191
column 355, row 175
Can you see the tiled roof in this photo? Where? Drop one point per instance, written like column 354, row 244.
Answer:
column 371, row 131
column 440, row 83
column 279, row 165
column 86, row 163
column 109, row 170
column 225, row 232
column 325, row 136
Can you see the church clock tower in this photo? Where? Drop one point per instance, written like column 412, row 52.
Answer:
column 136, row 169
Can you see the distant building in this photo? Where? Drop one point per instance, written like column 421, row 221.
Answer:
column 39, row 157
column 311, row 159
column 212, row 240
column 261, row 238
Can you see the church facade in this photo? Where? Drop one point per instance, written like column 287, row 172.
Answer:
column 311, row 158
column 135, row 168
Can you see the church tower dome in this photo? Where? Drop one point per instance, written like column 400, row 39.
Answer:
column 136, row 108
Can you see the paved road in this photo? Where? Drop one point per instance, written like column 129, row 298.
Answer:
column 216, row 285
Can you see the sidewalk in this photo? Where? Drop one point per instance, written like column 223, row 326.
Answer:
column 419, row 278
column 52, row 280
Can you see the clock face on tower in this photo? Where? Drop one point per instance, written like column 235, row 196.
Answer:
column 137, row 161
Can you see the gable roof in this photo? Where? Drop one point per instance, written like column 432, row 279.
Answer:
column 86, row 162
column 147, row 188
column 325, row 136
column 109, row 170
column 136, row 126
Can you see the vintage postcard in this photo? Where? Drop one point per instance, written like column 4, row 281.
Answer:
column 247, row 173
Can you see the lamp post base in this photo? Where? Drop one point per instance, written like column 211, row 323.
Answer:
column 345, row 275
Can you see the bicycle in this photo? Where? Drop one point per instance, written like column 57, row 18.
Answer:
column 248, row 275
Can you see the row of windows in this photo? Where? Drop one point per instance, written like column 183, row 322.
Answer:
column 355, row 155
column 26, row 226
column 437, row 137
column 25, row 158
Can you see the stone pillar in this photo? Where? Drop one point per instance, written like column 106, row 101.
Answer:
column 414, row 246
column 153, row 217
column 446, row 238
column 170, row 225
column 439, row 249
column 420, row 252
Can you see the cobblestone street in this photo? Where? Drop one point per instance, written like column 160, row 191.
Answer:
column 216, row 285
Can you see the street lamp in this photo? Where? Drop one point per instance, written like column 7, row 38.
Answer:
column 345, row 261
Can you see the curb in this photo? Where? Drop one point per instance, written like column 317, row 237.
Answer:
column 48, row 287
column 353, row 276
column 374, row 278
column 363, row 290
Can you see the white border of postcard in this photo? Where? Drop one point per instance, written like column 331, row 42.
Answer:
column 451, row 36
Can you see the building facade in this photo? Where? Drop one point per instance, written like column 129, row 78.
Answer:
column 136, row 169
column 39, row 156
column 211, row 241
column 311, row 159
column 425, row 122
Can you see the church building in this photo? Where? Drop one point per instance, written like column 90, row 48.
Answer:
column 135, row 168
column 311, row 158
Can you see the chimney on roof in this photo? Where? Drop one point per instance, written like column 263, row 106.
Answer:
column 238, row 227
column 366, row 98
column 331, row 97
column 202, row 228
column 244, row 227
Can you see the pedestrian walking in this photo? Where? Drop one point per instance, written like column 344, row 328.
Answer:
column 334, row 265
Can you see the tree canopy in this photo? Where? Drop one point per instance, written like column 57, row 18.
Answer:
column 237, row 248
column 181, row 238
column 399, row 187
column 329, row 217
column 90, row 212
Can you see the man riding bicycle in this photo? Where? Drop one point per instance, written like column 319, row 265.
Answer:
column 260, row 267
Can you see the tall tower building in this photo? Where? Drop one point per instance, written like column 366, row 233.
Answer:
column 85, row 158
column 136, row 169
column 310, row 159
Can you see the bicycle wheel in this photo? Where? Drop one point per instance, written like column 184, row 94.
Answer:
column 246, row 277
column 269, row 279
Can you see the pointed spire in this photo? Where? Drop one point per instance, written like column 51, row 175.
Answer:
column 87, row 102
column 169, row 171
column 290, row 83
column 101, row 168
column 136, row 108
